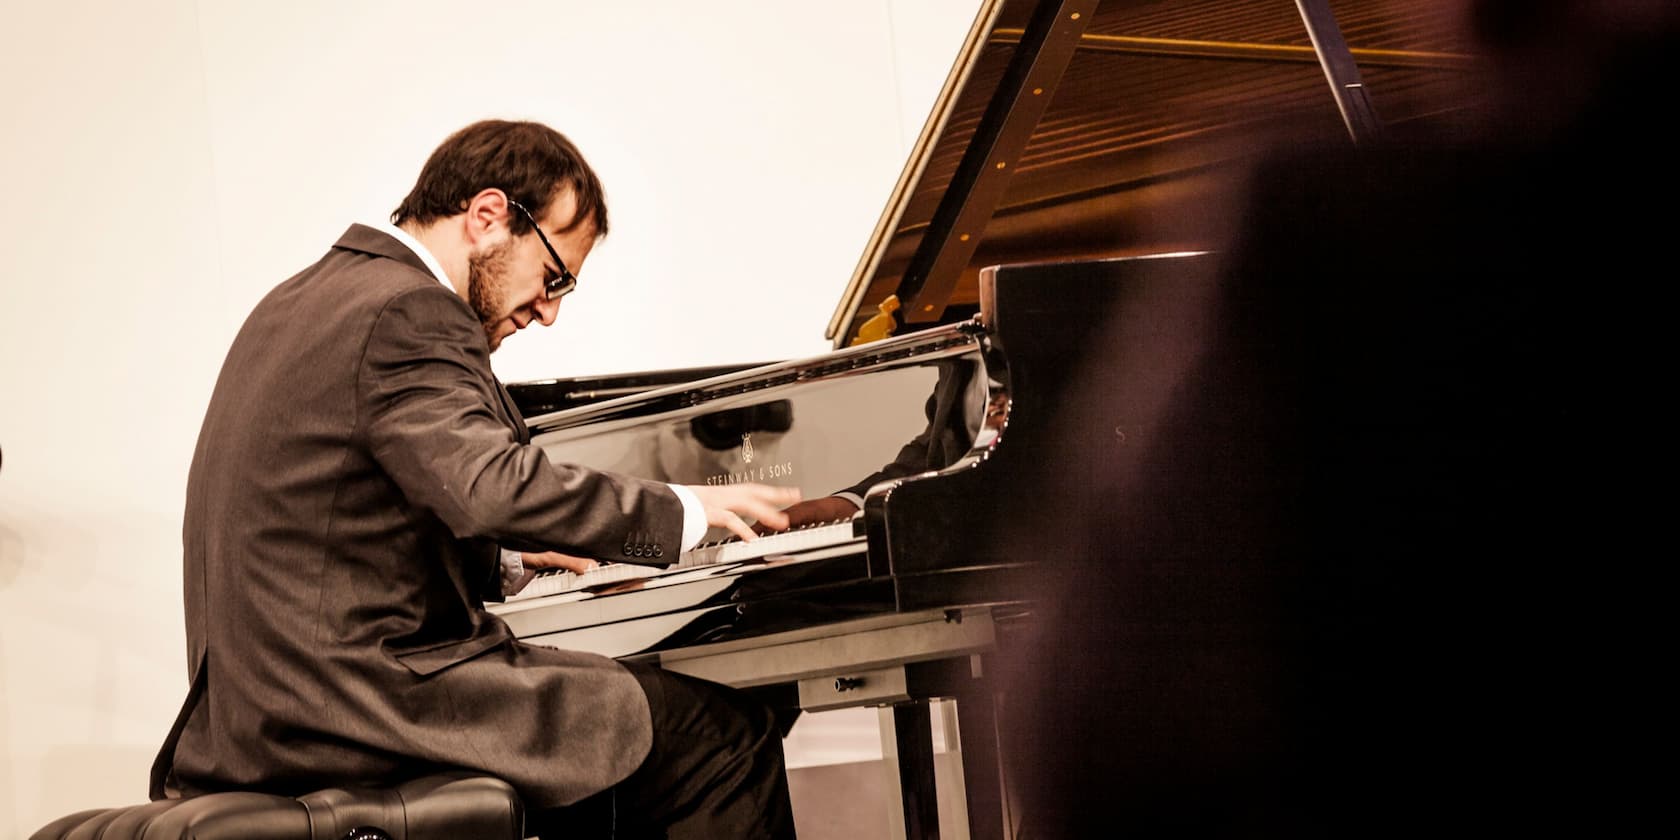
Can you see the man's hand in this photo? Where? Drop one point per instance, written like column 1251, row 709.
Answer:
column 556, row 560
column 812, row 511
column 725, row 504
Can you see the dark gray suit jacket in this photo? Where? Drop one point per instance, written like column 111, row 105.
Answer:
column 358, row 466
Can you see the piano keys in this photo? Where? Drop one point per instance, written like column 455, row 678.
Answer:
column 621, row 609
column 609, row 578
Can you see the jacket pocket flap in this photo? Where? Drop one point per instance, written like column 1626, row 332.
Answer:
column 430, row 660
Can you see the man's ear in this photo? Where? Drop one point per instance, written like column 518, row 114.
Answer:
column 487, row 213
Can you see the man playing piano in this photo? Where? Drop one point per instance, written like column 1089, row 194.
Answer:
column 359, row 482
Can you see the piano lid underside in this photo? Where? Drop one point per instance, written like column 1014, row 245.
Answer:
column 1157, row 112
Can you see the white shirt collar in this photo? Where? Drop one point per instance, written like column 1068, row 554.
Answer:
column 419, row 250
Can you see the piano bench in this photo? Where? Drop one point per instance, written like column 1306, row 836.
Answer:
column 445, row 806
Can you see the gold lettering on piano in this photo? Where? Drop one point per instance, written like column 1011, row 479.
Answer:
column 760, row 473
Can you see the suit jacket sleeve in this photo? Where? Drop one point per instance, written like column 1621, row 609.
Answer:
column 432, row 418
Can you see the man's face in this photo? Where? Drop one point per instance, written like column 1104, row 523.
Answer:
column 505, row 277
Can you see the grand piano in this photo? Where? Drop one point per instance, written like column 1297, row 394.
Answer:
column 1076, row 158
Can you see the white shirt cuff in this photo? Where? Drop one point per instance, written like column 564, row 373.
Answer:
column 855, row 499
column 694, row 516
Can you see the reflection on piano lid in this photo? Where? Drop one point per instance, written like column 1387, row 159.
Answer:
column 1080, row 145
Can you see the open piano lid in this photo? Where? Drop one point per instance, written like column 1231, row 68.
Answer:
column 1072, row 129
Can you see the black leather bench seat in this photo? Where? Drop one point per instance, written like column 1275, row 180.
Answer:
column 447, row 806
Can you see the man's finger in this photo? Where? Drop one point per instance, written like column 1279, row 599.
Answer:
column 766, row 505
column 736, row 525
column 556, row 560
column 774, row 519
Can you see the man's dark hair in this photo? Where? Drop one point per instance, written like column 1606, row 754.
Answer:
column 528, row 160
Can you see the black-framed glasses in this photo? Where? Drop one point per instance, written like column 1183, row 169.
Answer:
column 564, row 282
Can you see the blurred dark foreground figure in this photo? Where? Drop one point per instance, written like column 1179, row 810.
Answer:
column 1347, row 567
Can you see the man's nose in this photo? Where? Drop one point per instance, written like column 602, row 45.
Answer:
column 546, row 310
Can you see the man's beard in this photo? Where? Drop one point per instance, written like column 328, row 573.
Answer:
column 487, row 272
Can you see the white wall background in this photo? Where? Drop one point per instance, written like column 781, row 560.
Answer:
column 165, row 162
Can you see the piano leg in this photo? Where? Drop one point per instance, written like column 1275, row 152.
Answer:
column 907, row 747
column 954, row 820
column 976, row 712
column 972, row 775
